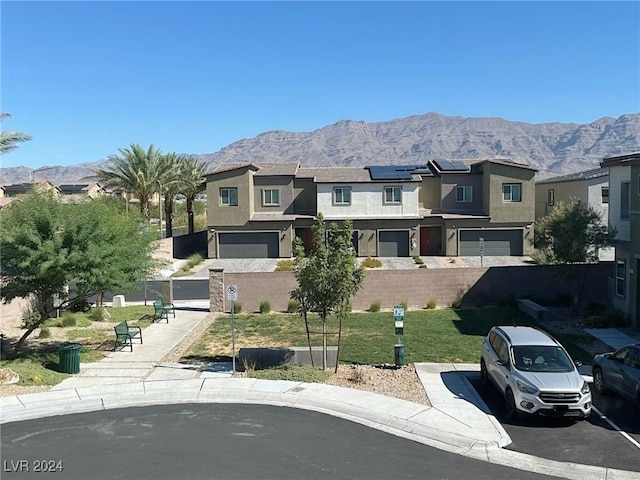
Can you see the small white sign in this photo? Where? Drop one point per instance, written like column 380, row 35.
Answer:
column 481, row 246
column 399, row 324
column 232, row 292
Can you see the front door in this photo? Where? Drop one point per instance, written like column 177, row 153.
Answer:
column 425, row 241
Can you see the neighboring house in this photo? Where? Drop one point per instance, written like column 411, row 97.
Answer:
column 624, row 215
column 591, row 187
column 440, row 208
column 17, row 189
column 91, row 190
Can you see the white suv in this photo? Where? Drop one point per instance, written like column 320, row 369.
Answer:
column 534, row 373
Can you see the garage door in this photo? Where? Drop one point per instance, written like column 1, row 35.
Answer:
column 248, row 245
column 393, row 244
column 497, row 243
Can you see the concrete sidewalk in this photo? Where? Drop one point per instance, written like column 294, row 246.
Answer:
column 457, row 421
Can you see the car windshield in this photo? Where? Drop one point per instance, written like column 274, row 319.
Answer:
column 534, row 358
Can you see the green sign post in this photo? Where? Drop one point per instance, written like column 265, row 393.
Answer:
column 398, row 321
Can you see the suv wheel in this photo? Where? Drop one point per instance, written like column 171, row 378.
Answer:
column 512, row 411
column 598, row 381
column 484, row 375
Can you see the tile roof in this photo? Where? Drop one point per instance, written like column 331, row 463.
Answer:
column 335, row 174
column 586, row 175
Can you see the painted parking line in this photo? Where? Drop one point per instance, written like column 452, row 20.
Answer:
column 616, row 428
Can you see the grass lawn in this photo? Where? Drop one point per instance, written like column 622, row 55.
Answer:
column 38, row 364
column 445, row 335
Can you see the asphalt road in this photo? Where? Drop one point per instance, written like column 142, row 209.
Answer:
column 225, row 441
column 593, row 441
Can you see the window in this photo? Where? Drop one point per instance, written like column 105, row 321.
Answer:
column 624, row 200
column 512, row 192
column 342, row 195
column 551, row 194
column 621, row 278
column 392, row 194
column 271, row 197
column 605, row 195
column 464, row 194
column 229, row 196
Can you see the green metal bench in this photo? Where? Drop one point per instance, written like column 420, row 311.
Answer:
column 162, row 310
column 125, row 334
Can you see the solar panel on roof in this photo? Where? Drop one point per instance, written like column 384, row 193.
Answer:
column 458, row 165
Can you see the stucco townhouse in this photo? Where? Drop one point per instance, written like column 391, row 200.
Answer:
column 443, row 207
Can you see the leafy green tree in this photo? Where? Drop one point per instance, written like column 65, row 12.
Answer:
column 137, row 171
column 10, row 140
column 48, row 247
column 572, row 234
column 327, row 277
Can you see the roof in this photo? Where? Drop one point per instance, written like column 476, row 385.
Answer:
column 74, row 187
column 504, row 161
column 586, row 175
column 620, row 159
column 262, row 169
column 335, row 174
column 271, row 169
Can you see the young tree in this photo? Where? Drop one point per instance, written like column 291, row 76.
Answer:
column 47, row 246
column 327, row 277
column 570, row 235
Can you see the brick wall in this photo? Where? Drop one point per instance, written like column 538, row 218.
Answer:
column 476, row 286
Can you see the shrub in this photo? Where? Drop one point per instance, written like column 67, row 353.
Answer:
column 609, row 319
column 292, row 306
column 194, row 260
column 375, row 306
column 595, row 308
column 418, row 260
column 403, row 304
column 457, row 302
column 97, row 314
column 44, row 333
column 422, row 266
column 265, row 306
column 237, row 307
column 69, row 320
column 431, row 304
column 284, row 266
column 371, row 263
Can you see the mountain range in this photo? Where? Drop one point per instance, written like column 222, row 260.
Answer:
column 554, row 148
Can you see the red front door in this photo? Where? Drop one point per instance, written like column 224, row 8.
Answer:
column 425, row 241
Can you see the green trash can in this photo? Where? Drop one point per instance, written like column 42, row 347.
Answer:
column 69, row 357
column 399, row 355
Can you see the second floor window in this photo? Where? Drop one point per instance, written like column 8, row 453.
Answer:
column 512, row 192
column 464, row 194
column 605, row 195
column 271, row 197
column 624, row 200
column 229, row 197
column 393, row 194
column 551, row 197
column 342, row 195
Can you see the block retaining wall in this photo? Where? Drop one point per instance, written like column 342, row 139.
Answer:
column 474, row 286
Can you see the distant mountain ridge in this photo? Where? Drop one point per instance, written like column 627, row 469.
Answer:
column 554, row 148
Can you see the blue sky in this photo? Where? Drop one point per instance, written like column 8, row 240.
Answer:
column 87, row 78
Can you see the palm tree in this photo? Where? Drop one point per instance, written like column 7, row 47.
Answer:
column 10, row 140
column 193, row 182
column 170, row 181
column 137, row 171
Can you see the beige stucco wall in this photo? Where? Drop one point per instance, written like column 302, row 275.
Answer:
column 283, row 184
column 494, row 176
column 430, row 193
column 562, row 192
column 222, row 215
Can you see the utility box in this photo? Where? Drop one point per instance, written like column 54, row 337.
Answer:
column 118, row 301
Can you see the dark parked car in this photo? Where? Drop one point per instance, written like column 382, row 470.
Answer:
column 619, row 371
